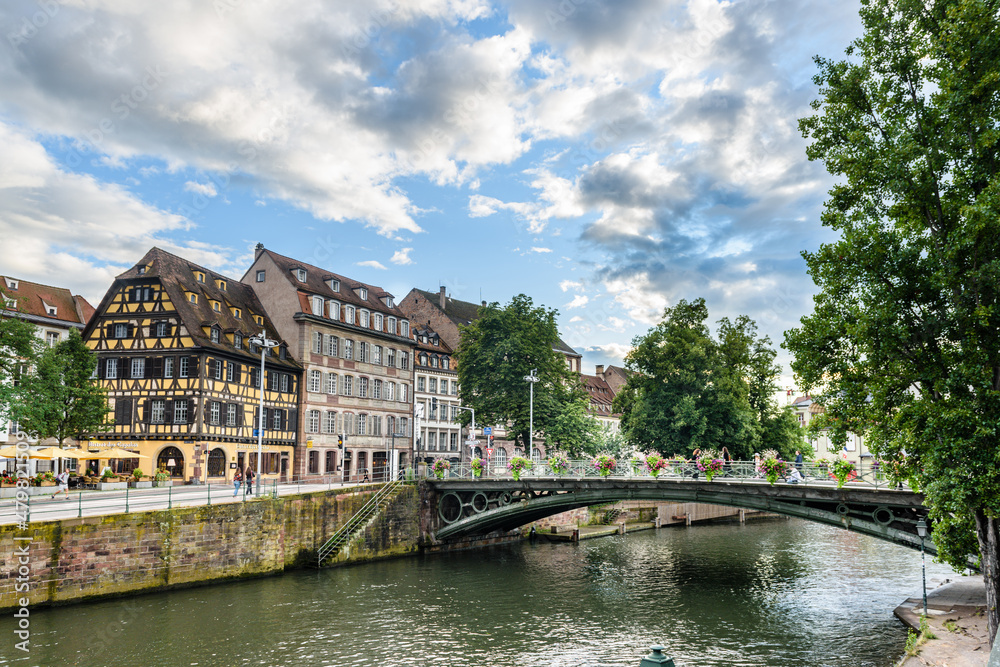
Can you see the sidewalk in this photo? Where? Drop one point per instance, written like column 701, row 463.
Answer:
column 955, row 615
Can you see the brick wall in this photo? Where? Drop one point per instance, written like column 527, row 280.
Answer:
column 79, row 559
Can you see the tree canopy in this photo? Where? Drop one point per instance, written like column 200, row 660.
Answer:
column 60, row 398
column 903, row 344
column 689, row 391
column 18, row 348
column 497, row 351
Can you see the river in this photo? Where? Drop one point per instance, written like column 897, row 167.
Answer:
column 780, row 592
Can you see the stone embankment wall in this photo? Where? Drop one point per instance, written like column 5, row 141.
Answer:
column 124, row 554
column 645, row 510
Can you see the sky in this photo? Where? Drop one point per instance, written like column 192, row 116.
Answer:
column 605, row 157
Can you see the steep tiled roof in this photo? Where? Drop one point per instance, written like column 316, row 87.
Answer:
column 36, row 300
column 417, row 331
column 177, row 276
column 601, row 393
column 316, row 283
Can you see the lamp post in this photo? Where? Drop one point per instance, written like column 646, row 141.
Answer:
column 265, row 343
column 922, row 532
column 532, row 379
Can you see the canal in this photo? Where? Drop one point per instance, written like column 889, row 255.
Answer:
column 772, row 593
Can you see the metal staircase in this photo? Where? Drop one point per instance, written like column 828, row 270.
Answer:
column 357, row 523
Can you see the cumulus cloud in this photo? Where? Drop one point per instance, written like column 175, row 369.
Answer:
column 372, row 264
column 402, row 257
column 566, row 285
column 207, row 189
column 612, row 350
column 579, row 301
column 540, row 250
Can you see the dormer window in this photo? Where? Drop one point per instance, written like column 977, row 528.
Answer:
column 213, row 334
column 216, row 306
column 237, row 313
column 349, row 314
column 404, row 329
column 363, row 293
column 388, row 302
column 364, row 315
column 199, row 276
column 221, row 284
column 301, row 275
column 377, row 323
column 317, row 305
column 142, row 270
column 392, row 325
column 11, row 283
column 50, row 310
column 259, row 320
column 335, row 310
column 334, row 284
column 192, row 297
column 238, row 340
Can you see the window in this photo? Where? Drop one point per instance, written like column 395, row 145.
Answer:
column 363, row 387
column 317, row 305
column 404, row 360
column 434, row 361
column 217, row 369
column 168, row 367
column 312, row 421
column 192, row 297
column 138, row 368
column 349, row 314
column 363, row 351
column 261, row 276
column 454, row 413
column 315, row 379
column 317, row 342
column 421, row 383
column 404, row 426
column 231, row 414
column 214, row 412
column 301, row 275
column 432, row 385
column 137, row 294
column 377, row 355
column 363, row 293
column 278, row 418
column 390, row 424
column 347, row 386
column 110, row 370
column 404, row 327
column 334, row 310
column 334, row 284
column 238, row 341
column 331, row 383
column 51, row 338
column 348, row 423
column 214, row 335
column 362, row 423
column 348, row 348
column 230, row 371
column 377, row 323
column 403, row 389
column 331, row 345
column 313, row 462
column 221, row 284
column 431, row 440
column 237, row 313
column 454, row 442
column 377, row 389
column 390, row 357
column 160, row 329
column 364, row 316
column 283, row 383
column 422, row 360
column 216, row 306
column 120, row 331
column 331, row 461
column 184, row 363
column 330, row 424
column 157, row 411
column 199, row 276
column 444, row 386
column 180, row 412
column 392, row 325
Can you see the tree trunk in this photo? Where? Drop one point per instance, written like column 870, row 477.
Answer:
column 988, row 532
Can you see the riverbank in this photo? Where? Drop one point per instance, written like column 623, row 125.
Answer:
column 955, row 617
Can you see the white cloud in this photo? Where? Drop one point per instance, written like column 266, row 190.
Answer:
column 402, row 257
column 613, row 350
column 372, row 264
column 540, row 250
column 567, row 284
column 642, row 300
column 579, row 301
column 575, row 318
column 207, row 189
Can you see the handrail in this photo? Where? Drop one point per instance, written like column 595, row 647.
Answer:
column 358, row 520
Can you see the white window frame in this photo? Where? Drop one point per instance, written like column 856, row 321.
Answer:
column 138, row 369
column 347, row 385
column 364, row 318
column 331, row 383
column 317, row 306
column 315, row 381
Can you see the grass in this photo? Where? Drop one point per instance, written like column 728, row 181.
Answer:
column 915, row 639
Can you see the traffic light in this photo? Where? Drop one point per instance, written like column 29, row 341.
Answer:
column 491, row 440
column 340, row 441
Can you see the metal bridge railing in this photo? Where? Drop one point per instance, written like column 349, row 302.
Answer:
column 867, row 474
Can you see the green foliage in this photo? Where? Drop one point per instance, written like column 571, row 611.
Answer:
column 497, row 351
column 60, row 398
column 573, row 430
column 19, row 347
column 688, row 391
column 904, row 338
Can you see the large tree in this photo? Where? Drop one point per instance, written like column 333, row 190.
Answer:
column 688, row 391
column 60, row 398
column 904, row 339
column 497, row 351
column 18, row 348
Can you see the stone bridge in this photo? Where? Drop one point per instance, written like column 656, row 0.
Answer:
column 457, row 510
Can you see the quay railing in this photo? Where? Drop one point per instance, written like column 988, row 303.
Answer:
column 357, row 522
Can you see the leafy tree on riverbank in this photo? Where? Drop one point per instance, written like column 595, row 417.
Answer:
column 904, row 339
column 18, row 348
column 688, row 391
column 60, row 398
column 497, row 351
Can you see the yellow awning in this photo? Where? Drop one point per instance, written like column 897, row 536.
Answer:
column 112, row 453
column 11, row 452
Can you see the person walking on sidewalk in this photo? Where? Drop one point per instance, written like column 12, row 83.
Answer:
column 237, row 478
column 248, row 482
column 63, row 479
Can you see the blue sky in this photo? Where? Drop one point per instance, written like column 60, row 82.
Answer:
column 606, row 158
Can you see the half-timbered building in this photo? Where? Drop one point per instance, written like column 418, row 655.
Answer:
column 174, row 349
column 356, row 351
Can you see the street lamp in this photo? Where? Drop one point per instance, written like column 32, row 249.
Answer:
column 922, row 532
column 265, row 343
column 532, row 379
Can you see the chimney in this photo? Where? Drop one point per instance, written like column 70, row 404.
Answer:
column 258, row 250
column 484, row 304
column 599, row 371
column 441, row 297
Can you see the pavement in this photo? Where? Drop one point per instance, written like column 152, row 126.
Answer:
column 955, row 615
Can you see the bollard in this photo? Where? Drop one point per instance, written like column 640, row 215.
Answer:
column 126, row 500
column 656, row 658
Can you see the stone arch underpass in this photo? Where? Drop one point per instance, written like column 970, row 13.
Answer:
column 460, row 509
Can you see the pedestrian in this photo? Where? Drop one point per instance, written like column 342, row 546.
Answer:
column 63, row 479
column 756, row 465
column 248, row 482
column 366, row 476
column 237, row 478
column 798, row 460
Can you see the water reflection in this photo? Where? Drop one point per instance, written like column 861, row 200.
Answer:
column 785, row 593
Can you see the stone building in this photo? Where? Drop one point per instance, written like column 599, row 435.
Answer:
column 173, row 341
column 355, row 347
column 436, row 403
